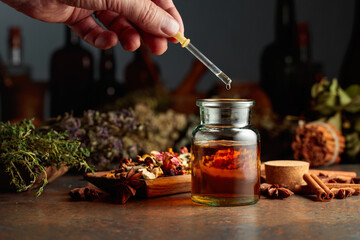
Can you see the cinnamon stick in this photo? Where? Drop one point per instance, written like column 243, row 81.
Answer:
column 330, row 195
column 322, row 192
column 333, row 174
column 354, row 186
column 307, row 190
column 342, row 193
column 337, row 180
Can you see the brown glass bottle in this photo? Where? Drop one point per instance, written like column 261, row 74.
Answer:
column 16, row 69
column 71, row 77
column 20, row 97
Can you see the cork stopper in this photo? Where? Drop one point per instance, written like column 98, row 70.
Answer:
column 182, row 39
column 286, row 172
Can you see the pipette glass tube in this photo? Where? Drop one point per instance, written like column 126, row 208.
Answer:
column 211, row 66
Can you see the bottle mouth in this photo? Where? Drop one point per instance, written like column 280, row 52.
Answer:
column 225, row 103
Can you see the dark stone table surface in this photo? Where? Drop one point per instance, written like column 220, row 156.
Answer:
column 54, row 216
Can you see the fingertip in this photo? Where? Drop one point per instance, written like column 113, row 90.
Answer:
column 105, row 40
column 158, row 50
column 156, row 45
column 130, row 39
column 130, row 45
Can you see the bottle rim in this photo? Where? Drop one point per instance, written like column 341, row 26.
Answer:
column 225, row 103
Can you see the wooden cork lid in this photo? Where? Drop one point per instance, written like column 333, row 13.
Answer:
column 286, row 172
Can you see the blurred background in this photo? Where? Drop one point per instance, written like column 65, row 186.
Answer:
column 231, row 33
column 238, row 36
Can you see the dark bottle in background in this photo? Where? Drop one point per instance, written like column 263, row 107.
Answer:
column 287, row 71
column 306, row 73
column 350, row 69
column 71, row 77
column 141, row 72
column 278, row 59
column 107, row 89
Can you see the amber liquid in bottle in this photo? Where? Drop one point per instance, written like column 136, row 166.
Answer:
column 225, row 173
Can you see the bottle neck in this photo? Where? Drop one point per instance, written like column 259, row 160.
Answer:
column 15, row 47
column 285, row 25
column 107, row 65
column 71, row 38
column 239, row 117
column 303, row 42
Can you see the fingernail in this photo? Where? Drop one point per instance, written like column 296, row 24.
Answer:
column 169, row 26
column 101, row 42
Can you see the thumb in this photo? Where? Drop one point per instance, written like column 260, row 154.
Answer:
column 145, row 14
column 148, row 16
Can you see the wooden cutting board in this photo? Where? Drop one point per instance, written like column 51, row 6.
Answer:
column 161, row 186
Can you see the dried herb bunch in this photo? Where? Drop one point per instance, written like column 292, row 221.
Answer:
column 114, row 135
column 341, row 108
column 102, row 134
column 161, row 129
column 25, row 153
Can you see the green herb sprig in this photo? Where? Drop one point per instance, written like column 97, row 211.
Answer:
column 25, row 154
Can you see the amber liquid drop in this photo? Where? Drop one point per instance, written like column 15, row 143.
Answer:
column 225, row 173
column 228, row 86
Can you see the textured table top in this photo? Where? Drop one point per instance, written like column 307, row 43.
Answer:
column 54, row 216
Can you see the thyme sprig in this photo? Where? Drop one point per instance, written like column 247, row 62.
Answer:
column 25, row 154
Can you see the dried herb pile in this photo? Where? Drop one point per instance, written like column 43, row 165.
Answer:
column 114, row 135
column 158, row 164
column 101, row 133
column 155, row 165
column 25, row 153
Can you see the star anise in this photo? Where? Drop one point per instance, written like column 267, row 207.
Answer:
column 85, row 194
column 127, row 186
column 275, row 191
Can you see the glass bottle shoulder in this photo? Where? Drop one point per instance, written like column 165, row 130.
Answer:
column 245, row 134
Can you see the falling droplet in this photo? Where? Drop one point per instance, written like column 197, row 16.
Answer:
column 228, row 86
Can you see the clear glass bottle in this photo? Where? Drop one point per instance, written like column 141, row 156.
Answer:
column 225, row 167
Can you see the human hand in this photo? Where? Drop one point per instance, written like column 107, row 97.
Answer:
column 126, row 20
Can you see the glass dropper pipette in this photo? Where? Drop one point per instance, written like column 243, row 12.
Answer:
column 185, row 43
